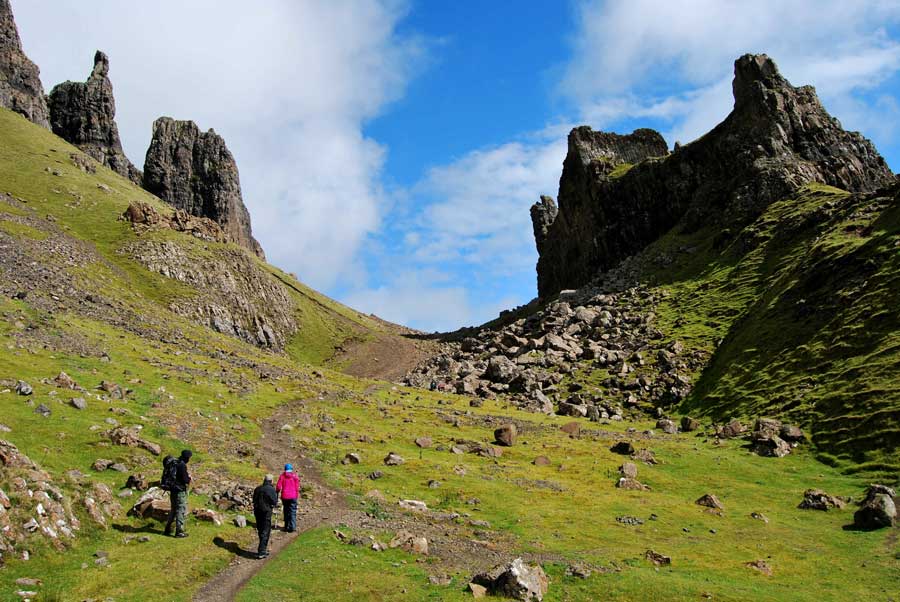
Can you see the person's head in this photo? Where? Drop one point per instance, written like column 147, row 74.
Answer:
column 288, row 468
column 268, row 479
column 186, row 455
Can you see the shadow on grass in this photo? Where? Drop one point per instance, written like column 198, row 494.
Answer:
column 148, row 528
column 234, row 548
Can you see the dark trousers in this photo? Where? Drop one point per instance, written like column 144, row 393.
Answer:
column 178, row 511
column 290, row 514
column 263, row 529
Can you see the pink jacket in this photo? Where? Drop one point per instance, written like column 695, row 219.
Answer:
column 288, row 485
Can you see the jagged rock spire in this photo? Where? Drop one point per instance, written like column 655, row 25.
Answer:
column 195, row 171
column 776, row 139
column 84, row 114
column 20, row 81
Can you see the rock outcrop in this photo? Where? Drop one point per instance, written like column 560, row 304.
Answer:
column 84, row 113
column 20, row 82
column 618, row 194
column 196, row 172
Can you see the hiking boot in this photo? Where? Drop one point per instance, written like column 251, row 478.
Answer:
column 168, row 532
column 181, row 534
column 262, row 555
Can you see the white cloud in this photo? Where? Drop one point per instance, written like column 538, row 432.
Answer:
column 679, row 55
column 425, row 300
column 288, row 84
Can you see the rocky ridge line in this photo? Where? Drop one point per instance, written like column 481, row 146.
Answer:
column 84, row 114
column 776, row 139
column 20, row 82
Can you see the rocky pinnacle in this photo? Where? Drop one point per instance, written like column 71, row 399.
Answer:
column 196, row 172
column 85, row 115
column 776, row 139
column 20, row 82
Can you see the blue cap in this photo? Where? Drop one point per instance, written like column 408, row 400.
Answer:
column 288, row 467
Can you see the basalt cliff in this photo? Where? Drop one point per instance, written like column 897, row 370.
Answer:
column 617, row 194
column 20, row 82
column 195, row 171
column 84, row 113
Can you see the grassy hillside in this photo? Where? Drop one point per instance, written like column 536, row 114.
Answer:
column 799, row 309
column 99, row 315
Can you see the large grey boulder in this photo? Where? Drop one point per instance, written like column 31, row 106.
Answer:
column 877, row 510
column 516, row 580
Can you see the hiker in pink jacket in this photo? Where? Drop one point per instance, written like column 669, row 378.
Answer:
column 289, row 487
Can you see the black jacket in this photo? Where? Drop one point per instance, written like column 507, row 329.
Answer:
column 264, row 499
column 182, row 477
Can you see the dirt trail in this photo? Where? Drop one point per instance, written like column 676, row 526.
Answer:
column 325, row 506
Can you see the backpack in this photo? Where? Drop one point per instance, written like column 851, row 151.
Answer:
column 169, row 480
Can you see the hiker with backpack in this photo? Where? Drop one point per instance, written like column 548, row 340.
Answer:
column 176, row 480
column 264, row 500
column 289, row 487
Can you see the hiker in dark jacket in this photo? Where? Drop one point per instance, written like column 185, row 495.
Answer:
column 178, row 492
column 264, row 499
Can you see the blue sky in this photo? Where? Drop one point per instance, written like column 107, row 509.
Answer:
column 389, row 150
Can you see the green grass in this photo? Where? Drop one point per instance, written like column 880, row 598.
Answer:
column 579, row 522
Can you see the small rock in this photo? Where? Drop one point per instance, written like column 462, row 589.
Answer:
column 206, row 515
column 101, row 464
column 667, row 426
column 478, row 591
column 762, row 566
column 689, row 424
column 710, row 501
column 816, row 499
column 541, row 461
column 658, row 559
column 43, row 410
column 23, row 388
column 760, row 517
column 424, row 442
column 506, row 435
column 375, row 475
column 628, row 470
column 351, row 458
column 393, row 459
column 624, row 448
column 240, row 521
column 78, row 403
column 413, row 505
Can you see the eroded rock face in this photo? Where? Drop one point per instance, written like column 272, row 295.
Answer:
column 776, row 139
column 84, row 114
column 195, row 171
column 236, row 296
column 20, row 82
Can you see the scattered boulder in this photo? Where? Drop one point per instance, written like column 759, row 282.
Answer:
column 632, row 484
column 477, row 591
column 816, row 499
column 760, row 517
column 657, row 558
column 733, row 429
column 771, row 446
column 792, row 434
column 541, row 461
column 153, row 504
column 628, row 470
column 710, row 501
column 646, row 456
column 353, row 458
column 101, row 464
column 65, row 381
column 207, row 515
column 22, row 387
column 689, row 424
column 393, row 459
column 515, row 580
column 423, row 442
column 624, row 448
column 667, row 426
column 43, row 410
column 877, row 510
column 762, row 566
column 78, row 403
column 506, row 435
column 138, row 481
column 571, row 428
column 409, row 542
column 240, row 521
column 128, row 437
column 413, row 505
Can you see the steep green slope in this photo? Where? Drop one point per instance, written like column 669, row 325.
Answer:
column 43, row 171
column 799, row 309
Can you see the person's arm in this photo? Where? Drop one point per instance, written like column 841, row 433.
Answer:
column 280, row 485
column 273, row 497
